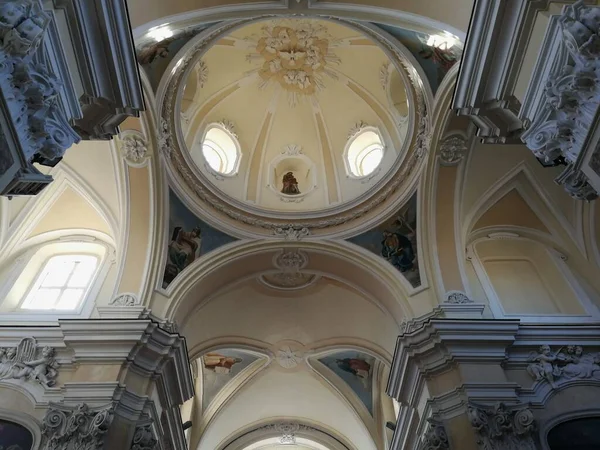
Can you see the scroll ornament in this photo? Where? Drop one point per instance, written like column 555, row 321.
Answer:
column 79, row 428
column 29, row 363
column 503, row 427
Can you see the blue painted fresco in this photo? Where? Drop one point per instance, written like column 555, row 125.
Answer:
column 189, row 238
column 435, row 62
column 219, row 368
column 395, row 240
column 356, row 369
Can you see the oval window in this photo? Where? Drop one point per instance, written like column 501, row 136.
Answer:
column 220, row 151
column 364, row 153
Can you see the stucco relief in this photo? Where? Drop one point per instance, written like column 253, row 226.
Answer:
column 295, row 55
column 28, row 362
column 569, row 363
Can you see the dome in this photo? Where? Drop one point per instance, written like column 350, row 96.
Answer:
column 293, row 119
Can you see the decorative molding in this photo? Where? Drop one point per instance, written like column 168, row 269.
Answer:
column 384, row 76
column 144, row 438
column 125, row 300
column 202, row 73
column 411, row 325
column 229, row 126
column 435, row 438
column 566, row 113
column 453, row 150
column 286, row 430
column 289, row 357
column 75, row 428
column 503, row 427
column 28, row 362
column 457, row 298
column 556, row 367
column 292, row 150
column 134, row 148
column 291, row 260
column 291, row 233
column 357, row 128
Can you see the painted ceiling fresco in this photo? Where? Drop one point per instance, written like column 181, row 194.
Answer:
column 356, row 370
column 395, row 240
column 435, row 62
column 221, row 367
column 189, row 238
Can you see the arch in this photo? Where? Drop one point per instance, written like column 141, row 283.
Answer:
column 274, row 427
column 529, row 261
column 384, row 284
column 27, row 422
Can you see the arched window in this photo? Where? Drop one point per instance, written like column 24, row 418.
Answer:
column 221, row 150
column 364, row 153
column 62, row 283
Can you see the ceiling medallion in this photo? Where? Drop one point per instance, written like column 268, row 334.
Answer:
column 294, row 55
column 170, row 141
column 289, row 275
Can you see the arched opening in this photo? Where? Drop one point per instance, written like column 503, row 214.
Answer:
column 577, row 434
column 14, row 436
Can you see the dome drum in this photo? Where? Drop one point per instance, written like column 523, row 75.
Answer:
column 309, row 186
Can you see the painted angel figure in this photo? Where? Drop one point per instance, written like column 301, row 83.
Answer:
column 543, row 367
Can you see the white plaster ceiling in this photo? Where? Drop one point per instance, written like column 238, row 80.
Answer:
column 241, row 81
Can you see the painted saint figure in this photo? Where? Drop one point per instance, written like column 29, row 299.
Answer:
column 290, row 184
column 398, row 250
column 220, row 363
column 357, row 367
column 184, row 248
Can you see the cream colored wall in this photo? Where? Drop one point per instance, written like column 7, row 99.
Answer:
column 71, row 210
column 276, row 394
column 326, row 312
column 526, row 279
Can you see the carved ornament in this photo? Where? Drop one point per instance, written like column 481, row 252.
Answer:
column 124, row 300
column 144, row 438
column 453, row 150
column 570, row 363
column 28, row 362
column 559, row 132
column 457, row 298
column 78, row 428
column 501, row 427
column 134, row 148
column 435, row 438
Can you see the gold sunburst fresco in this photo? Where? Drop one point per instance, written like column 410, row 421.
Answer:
column 295, row 56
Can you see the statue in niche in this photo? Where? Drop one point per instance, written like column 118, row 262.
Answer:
column 290, row 184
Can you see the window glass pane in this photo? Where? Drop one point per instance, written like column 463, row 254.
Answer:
column 212, row 158
column 70, row 299
column 83, row 273
column 57, row 272
column 43, row 298
column 370, row 161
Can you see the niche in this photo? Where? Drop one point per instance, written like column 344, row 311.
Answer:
column 292, row 175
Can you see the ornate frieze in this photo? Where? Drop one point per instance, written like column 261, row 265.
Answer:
column 453, row 150
column 569, row 363
column 559, row 131
column 503, row 427
column 28, row 362
column 435, row 438
column 76, row 428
